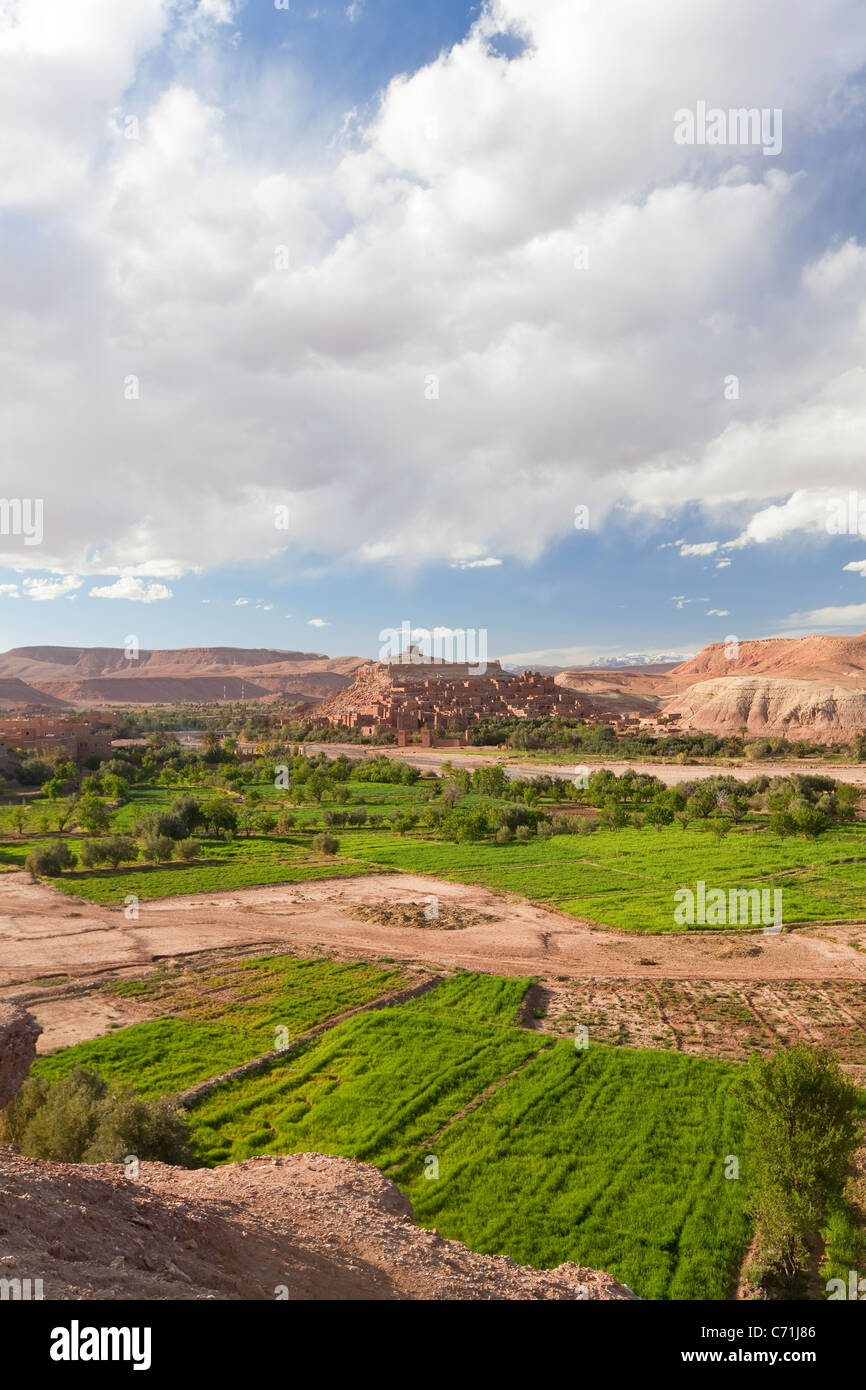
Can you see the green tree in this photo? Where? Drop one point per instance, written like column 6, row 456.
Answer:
column 92, row 814
column 801, row 1117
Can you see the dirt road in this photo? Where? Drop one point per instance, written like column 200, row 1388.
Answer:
column 44, row 933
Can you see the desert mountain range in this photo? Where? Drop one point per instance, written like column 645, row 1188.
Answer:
column 92, row 676
column 811, row 687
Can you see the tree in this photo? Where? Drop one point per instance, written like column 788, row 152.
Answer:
column 113, row 850
column 801, row 1119
column 158, row 848
column 187, row 813
column 92, row 814
column 660, row 812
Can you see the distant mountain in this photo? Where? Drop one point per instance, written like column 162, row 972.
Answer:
column 88, row 676
column 658, row 660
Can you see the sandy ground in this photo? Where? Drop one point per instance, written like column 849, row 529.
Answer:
column 52, row 945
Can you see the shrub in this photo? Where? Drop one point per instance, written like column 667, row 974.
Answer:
column 186, row 849
column 158, row 848
column 523, row 832
column 326, row 844
column 47, row 861
column 504, row 835
column 77, row 1120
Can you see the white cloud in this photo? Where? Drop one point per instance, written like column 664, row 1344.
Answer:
column 316, row 622
column 487, row 563
column 413, row 255
column 135, row 590
column 718, row 613
column 723, row 564
column 701, row 548
column 9, row 590
column 240, row 602
column 44, row 589
column 851, row 615
column 353, row 11
column 857, row 567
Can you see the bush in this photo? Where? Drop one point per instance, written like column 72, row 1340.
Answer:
column 186, row 850
column 158, row 848
column 326, row 844
column 504, row 835
column 47, row 861
column 523, row 832
column 77, row 1120
column 113, row 850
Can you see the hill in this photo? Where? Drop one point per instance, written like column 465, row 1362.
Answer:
column 89, row 676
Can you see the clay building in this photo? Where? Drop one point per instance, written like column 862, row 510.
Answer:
column 406, row 697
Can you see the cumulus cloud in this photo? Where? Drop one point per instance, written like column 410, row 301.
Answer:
column 487, row 563
column 316, row 622
column 414, row 253
column 45, row 589
column 135, row 590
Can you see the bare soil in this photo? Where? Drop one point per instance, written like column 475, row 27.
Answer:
column 304, row 1227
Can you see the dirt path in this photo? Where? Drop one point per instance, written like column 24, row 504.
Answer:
column 51, row 940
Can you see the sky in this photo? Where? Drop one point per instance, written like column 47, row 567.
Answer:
column 319, row 319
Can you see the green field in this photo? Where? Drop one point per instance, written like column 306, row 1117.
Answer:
column 620, row 878
column 609, row 1157
column 220, row 1020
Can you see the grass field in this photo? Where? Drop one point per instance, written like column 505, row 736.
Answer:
column 612, row 1158
column 220, row 1019
column 625, row 878
column 609, row 1158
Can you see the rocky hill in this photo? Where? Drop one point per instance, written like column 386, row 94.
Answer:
column 838, row 660
column 767, row 707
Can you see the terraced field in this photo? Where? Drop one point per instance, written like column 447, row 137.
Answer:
column 504, row 1137
column 218, row 1021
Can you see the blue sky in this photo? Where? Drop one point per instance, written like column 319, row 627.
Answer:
column 429, row 278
